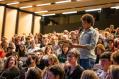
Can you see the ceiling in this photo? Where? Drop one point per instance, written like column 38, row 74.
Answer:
column 43, row 7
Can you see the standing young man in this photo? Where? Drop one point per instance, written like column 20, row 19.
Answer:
column 87, row 42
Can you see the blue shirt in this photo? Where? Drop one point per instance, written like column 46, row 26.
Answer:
column 89, row 38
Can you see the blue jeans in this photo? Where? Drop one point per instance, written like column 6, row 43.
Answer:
column 87, row 63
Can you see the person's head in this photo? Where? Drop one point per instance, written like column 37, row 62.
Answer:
column 110, row 43
column 66, row 32
column 111, row 26
column 33, row 45
column 89, row 74
column 73, row 56
column 11, row 47
column 115, row 57
column 4, row 44
column 65, row 47
column 100, row 41
column 45, row 40
column 52, row 60
column 117, row 30
column 3, row 39
column 10, row 62
column 73, row 35
column 114, row 72
column 23, row 38
column 34, row 73
column 39, row 53
column 22, row 47
column 11, row 73
column 99, row 49
column 49, row 50
column 87, row 21
column 32, row 60
column 54, row 72
column 28, row 39
column 105, row 59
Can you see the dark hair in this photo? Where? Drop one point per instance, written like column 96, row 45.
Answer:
column 88, row 18
column 34, row 73
column 7, row 61
column 66, row 44
column 114, row 71
column 57, row 71
column 28, row 38
column 32, row 56
column 38, row 51
column 48, row 46
column 106, row 55
column 28, row 61
column 11, row 73
column 115, row 57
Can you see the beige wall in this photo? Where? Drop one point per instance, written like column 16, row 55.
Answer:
column 37, row 24
column 25, row 23
column 1, row 18
column 10, row 22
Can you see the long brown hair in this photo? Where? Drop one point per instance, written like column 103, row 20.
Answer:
column 7, row 62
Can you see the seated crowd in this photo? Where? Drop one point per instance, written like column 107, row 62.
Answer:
column 51, row 56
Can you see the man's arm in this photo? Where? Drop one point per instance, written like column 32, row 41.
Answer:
column 78, row 46
column 93, row 42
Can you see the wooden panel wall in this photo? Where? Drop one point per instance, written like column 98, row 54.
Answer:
column 37, row 24
column 1, row 18
column 14, row 21
column 10, row 22
column 25, row 23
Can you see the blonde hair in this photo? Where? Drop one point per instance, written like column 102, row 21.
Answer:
column 89, row 74
column 53, row 58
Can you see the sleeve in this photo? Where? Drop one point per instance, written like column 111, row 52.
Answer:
column 94, row 39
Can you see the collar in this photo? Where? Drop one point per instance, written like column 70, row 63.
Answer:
column 90, row 28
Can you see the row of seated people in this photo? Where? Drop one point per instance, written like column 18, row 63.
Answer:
column 43, row 51
column 35, row 67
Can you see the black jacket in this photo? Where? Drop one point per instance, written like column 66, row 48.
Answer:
column 76, row 74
